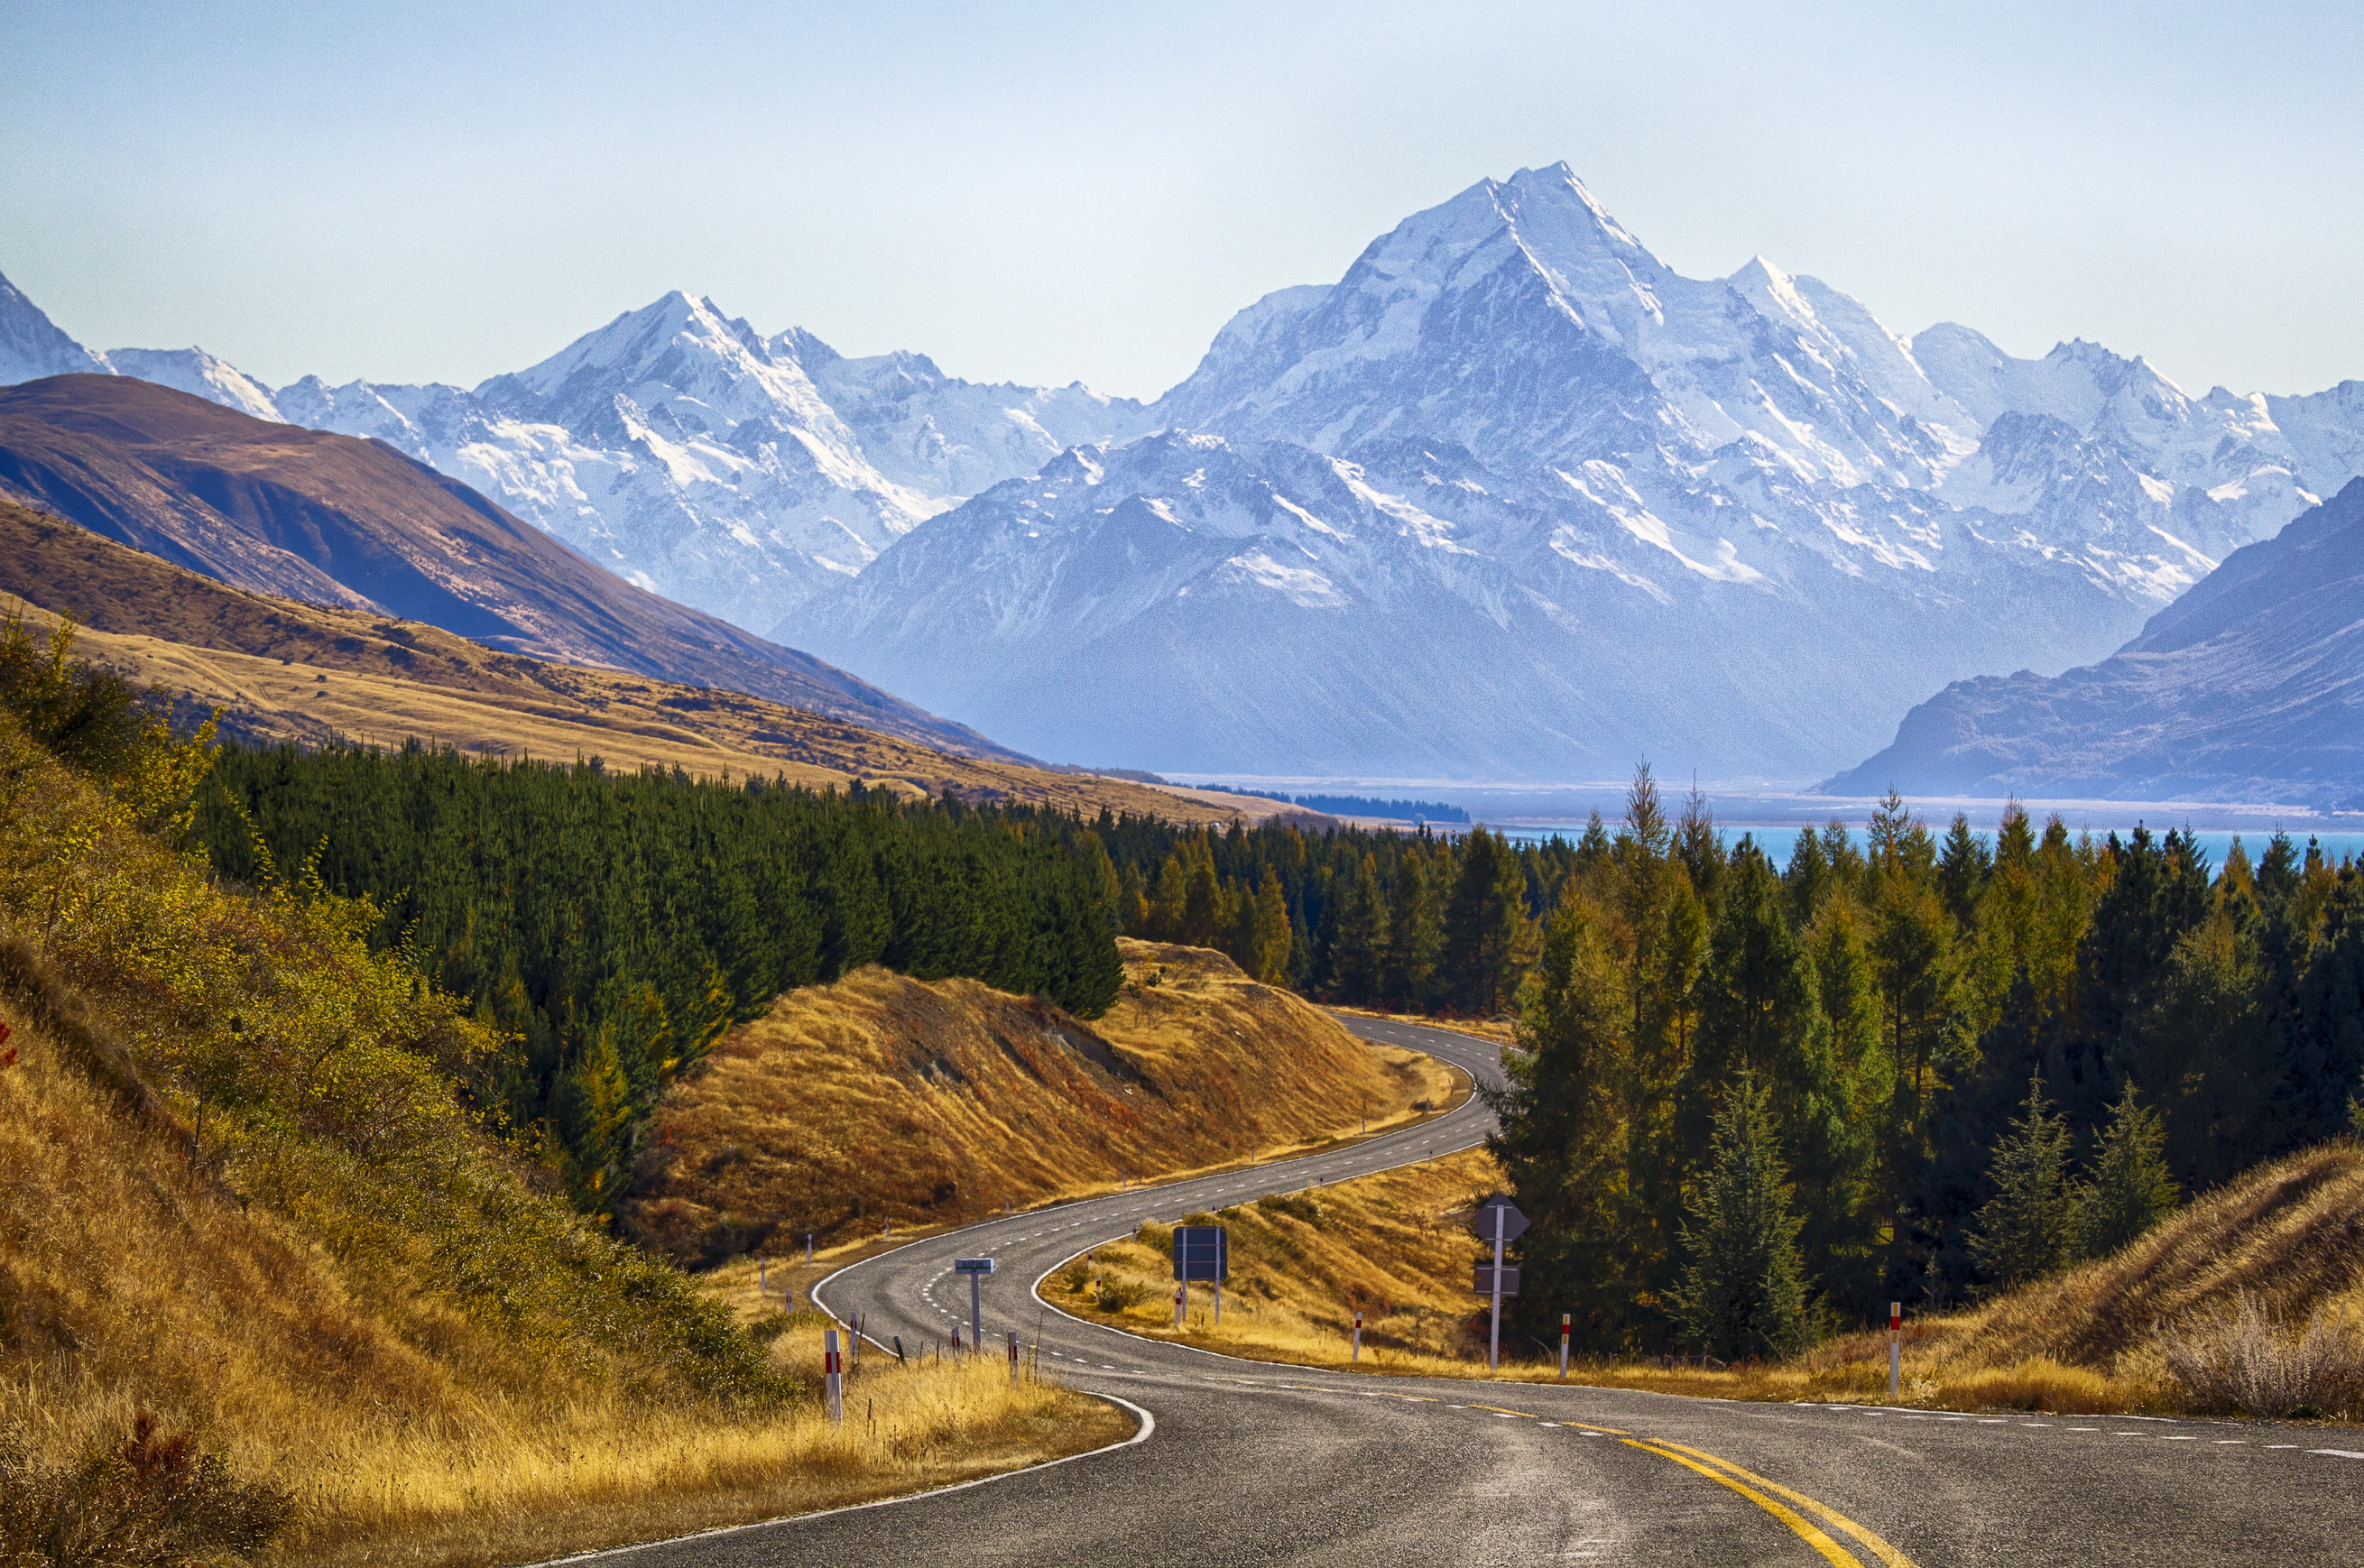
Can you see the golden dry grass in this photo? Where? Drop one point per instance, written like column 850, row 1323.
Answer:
column 882, row 1097
column 2288, row 1237
column 347, row 1292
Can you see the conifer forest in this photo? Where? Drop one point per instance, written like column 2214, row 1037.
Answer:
column 1924, row 1065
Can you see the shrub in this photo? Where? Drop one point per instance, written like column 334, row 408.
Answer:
column 1115, row 1295
column 1297, row 1205
column 153, row 1501
column 2245, row 1359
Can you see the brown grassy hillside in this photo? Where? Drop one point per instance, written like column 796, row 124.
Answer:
column 287, row 671
column 882, row 1097
column 335, row 520
column 237, row 1191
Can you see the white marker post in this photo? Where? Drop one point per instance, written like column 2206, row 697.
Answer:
column 1563, row 1346
column 1895, row 1344
column 1178, row 1307
column 832, row 1380
column 762, row 1274
column 1356, row 1358
column 1013, row 1359
column 808, row 1246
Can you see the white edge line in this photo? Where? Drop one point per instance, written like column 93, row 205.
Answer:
column 1141, row 1434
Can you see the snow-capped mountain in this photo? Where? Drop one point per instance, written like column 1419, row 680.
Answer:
column 689, row 454
column 677, row 447
column 31, row 346
column 1511, row 496
column 1726, row 521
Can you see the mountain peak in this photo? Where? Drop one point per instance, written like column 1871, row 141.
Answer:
column 32, row 346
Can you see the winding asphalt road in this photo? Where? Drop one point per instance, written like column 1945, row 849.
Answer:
column 1243, row 1462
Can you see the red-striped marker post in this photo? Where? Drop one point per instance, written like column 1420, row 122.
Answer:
column 1178, row 1307
column 1013, row 1360
column 832, row 1379
column 1895, row 1344
column 1563, row 1345
column 1356, row 1358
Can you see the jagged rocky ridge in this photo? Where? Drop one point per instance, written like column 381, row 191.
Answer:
column 1511, row 498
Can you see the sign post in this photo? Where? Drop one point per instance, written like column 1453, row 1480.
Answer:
column 1201, row 1251
column 1356, row 1358
column 1895, row 1345
column 1499, row 1221
column 1563, row 1346
column 832, row 1380
column 977, row 1269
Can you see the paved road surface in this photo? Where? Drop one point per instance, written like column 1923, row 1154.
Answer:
column 1250, row 1463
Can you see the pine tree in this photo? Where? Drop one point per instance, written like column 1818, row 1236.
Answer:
column 1357, row 934
column 1560, row 1137
column 1481, row 924
column 1409, row 969
column 1744, row 1293
column 2130, row 1190
column 2023, row 1231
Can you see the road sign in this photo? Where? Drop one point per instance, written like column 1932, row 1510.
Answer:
column 1487, row 1273
column 1498, row 1210
column 1201, row 1251
column 977, row 1269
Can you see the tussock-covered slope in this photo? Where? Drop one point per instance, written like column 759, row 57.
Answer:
column 883, row 1097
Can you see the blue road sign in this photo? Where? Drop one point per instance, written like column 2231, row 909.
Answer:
column 972, row 1265
column 1201, row 1252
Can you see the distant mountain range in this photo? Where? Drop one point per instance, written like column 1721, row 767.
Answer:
column 1512, row 499
column 2248, row 687
column 330, row 520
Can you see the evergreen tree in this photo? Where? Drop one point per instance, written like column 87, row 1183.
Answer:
column 2023, row 1231
column 1560, row 1141
column 1408, row 970
column 1358, row 936
column 1743, row 1293
column 1482, row 920
column 1963, row 865
column 2130, row 1190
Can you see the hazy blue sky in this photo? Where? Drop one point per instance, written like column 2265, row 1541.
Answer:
column 1052, row 192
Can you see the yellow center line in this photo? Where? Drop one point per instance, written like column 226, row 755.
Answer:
column 1880, row 1548
column 1807, row 1532
column 1499, row 1410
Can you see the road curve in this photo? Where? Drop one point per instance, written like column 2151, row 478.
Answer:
column 1254, row 1463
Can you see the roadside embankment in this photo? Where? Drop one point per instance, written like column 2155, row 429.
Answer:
column 883, row 1099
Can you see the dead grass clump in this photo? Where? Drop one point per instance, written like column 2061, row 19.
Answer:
column 2243, row 1359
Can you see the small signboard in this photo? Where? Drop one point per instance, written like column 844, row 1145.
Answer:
column 1482, row 1220
column 1486, row 1272
column 972, row 1265
column 1201, row 1252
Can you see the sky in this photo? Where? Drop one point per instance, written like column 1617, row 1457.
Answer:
column 1044, row 193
